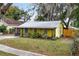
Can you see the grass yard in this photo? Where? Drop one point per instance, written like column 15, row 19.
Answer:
column 47, row 47
column 6, row 54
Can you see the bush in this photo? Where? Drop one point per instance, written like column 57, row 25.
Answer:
column 76, row 24
column 2, row 28
column 34, row 35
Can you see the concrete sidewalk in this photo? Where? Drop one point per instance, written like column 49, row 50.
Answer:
column 18, row 52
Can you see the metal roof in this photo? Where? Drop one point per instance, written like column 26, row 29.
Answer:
column 40, row 24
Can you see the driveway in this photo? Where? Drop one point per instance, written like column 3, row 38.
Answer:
column 7, row 36
column 17, row 51
column 11, row 50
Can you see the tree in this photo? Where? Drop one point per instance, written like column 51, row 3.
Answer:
column 2, row 28
column 75, row 15
column 56, row 11
column 14, row 13
column 45, row 10
column 4, row 8
column 40, row 18
column 25, row 15
column 1, row 4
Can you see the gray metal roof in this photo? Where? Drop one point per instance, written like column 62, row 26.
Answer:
column 40, row 24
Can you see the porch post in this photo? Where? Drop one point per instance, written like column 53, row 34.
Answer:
column 23, row 32
column 16, row 31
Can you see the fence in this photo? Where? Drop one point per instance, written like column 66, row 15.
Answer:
column 69, row 32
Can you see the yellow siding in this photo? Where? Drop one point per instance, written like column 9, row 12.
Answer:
column 21, row 32
column 42, row 31
column 53, row 32
column 49, row 33
column 62, row 28
column 24, row 32
column 39, row 31
column 30, row 30
column 59, row 30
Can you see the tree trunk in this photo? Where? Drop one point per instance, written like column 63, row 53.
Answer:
column 4, row 8
column 66, row 23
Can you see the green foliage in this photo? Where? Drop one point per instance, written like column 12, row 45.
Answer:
column 14, row 13
column 74, row 47
column 63, row 15
column 75, row 13
column 4, row 8
column 34, row 35
column 1, row 4
column 2, row 28
column 40, row 18
column 75, row 24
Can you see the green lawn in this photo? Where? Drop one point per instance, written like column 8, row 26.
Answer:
column 6, row 54
column 47, row 47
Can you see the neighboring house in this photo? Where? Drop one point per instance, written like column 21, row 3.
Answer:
column 51, row 29
column 9, row 23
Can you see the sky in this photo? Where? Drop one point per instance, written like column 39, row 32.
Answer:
column 23, row 6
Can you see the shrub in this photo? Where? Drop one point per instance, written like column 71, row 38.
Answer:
column 34, row 35
column 2, row 28
column 75, row 48
column 75, row 24
column 44, row 35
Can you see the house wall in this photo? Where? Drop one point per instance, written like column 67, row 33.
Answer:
column 9, row 28
column 49, row 32
column 30, row 30
column 3, row 23
column 39, row 30
column 59, row 30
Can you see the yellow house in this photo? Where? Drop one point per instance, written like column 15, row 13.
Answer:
column 47, row 29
